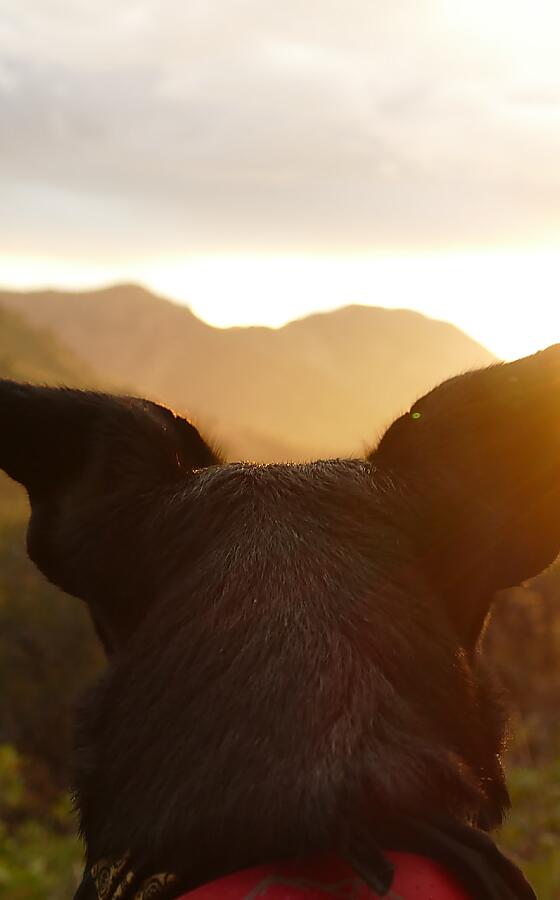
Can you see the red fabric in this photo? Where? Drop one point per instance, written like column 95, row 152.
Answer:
column 416, row 878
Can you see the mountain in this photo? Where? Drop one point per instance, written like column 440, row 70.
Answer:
column 28, row 353
column 320, row 386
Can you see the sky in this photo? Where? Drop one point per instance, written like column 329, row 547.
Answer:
column 260, row 159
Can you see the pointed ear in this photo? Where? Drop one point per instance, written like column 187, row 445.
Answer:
column 476, row 463
column 48, row 435
column 93, row 465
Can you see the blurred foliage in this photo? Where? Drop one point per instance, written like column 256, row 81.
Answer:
column 531, row 834
column 40, row 858
column 522, row 644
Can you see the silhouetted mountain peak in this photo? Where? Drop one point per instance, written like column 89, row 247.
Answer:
column 321, row 385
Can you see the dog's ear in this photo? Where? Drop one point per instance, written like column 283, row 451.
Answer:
column 476, row 465
column 94, row 466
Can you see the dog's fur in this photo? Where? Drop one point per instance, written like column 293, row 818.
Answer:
column 292, row 648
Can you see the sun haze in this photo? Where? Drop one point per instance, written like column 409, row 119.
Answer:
column 261, row 160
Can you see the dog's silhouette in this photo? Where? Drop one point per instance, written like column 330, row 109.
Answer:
column 292, row 649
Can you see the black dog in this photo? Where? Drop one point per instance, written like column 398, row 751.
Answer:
column 292, row 648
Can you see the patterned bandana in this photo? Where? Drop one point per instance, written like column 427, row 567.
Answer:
column 468, row 855
column 117, row 881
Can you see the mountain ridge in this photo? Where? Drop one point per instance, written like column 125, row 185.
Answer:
column 321, row 385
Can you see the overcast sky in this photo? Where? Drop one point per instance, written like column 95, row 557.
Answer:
column 166, row 129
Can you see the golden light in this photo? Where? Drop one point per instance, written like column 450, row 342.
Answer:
column 509, row 301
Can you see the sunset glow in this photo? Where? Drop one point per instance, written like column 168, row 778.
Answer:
column 260, row 161
column 508, row 301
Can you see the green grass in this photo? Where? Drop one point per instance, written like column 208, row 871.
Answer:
column 40, row 857
column 531, row 835
column 38, row 864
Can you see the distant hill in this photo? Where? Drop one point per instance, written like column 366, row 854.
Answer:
column 28, row 353
column 320, row 386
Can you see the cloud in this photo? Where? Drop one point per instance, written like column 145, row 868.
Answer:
column 324, row 126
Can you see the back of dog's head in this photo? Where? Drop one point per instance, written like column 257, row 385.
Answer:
column 292, row 648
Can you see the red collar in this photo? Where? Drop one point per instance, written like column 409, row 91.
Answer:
column 416, row 878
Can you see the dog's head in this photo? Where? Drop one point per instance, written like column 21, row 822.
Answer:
column 291, row 647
